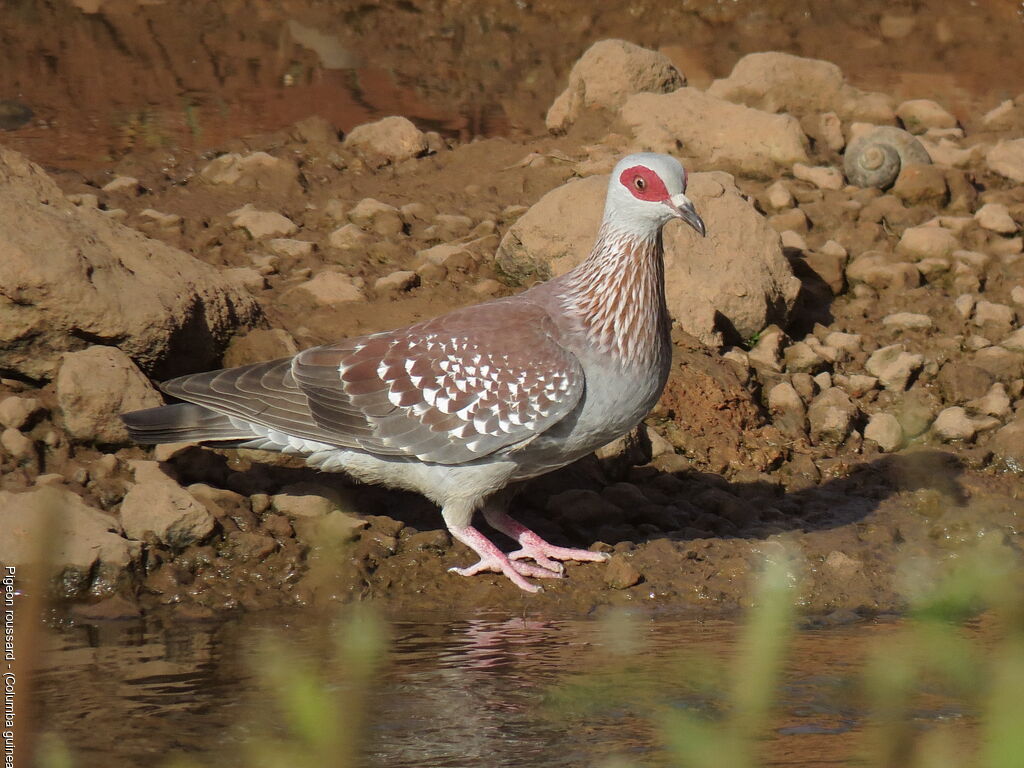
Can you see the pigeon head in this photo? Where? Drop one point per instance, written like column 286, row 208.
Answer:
column 645, row 192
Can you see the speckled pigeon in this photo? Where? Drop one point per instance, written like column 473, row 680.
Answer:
column 458, row 407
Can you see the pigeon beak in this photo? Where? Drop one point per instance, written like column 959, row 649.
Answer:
column 683, row 209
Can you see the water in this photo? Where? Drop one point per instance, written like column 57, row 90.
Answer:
column 486, row 691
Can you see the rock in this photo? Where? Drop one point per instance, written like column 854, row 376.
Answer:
column 1005, row 365
column 964, row 305
column 793, row 241
column 894, row 367
column 164, row 221
column 247, row 277
column 794, row 219
column 927, row 242
column 19, row 412
column 907, row 321
column 374, row 216
column 19, row 446
column 896, row 27
column 315, row 130
column 1001, row 117
column 123, row 184
column 619, row 573
column 94, row 386
column 849, row 343
column 254, row 170
column 830, row 267
column 781, row 82
column 258, row 345
column 954, row 424
column 961, row 382
column 448, row 226
column 875, row 269
column 156, row 507
column 885, row 430
column 995, row 217
column 830, row 131
column 802, row 358
column 348, row 238
column 738, row 270
column 310, row 500
column 1007, row 445
column 918, row 115
column 767, row 351
column 295, row 249
column 1015, row 341
column 996, row 318
column 995, row 402
column 823, row 177
column 779, row 196
column 915, row 411
column 328, row 531
column 787, row 409
column 921, row 184
column 390, row 140
column 831, row 415
column 608, row 73
column 71, row 277
column 401, row 280
column 444, row 255
column 329, row 289
column 1007, row 159
column 726, row 136
column 260, row 224
column 85, row 556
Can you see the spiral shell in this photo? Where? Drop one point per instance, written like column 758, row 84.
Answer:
column 875, row 159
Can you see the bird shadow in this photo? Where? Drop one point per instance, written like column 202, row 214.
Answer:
column 594, row 500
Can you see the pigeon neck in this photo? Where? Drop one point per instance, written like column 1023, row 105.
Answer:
column 618, row 295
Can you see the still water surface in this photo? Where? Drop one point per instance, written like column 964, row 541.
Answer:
column 466, row 692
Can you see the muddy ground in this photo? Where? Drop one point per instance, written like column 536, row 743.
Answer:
column 734, row 479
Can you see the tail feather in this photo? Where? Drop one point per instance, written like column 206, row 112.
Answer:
column 183, row 422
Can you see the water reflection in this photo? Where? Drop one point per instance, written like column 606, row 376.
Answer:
column 455, row 693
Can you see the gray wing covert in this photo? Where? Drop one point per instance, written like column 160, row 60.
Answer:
column 448, row 391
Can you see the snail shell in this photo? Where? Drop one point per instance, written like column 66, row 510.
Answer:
column 875, row 159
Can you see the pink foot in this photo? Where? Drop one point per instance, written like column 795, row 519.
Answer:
column 493, row 559
column 534, row 547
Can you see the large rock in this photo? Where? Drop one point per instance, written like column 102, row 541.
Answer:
column 156, row 507
column 392, row 140
column 94, row 385
column 253, row 170
column 781, row 82
column 606, row 75
column 723, row 135
column 736, row 276
column 81, row 549
column 71, row 277
column 1007, row 159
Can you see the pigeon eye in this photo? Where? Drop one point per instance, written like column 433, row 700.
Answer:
column 639, row 183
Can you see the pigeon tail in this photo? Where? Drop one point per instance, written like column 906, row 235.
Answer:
column 181, row 423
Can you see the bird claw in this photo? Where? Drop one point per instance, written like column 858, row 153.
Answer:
column 547, row 555
column 514, row 571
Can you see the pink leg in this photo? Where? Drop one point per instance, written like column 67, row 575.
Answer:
column 534, row 547
column 493, row 559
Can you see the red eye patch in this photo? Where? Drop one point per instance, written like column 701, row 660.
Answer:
column 644, row 184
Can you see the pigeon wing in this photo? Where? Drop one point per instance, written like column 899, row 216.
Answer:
column 449, row 390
